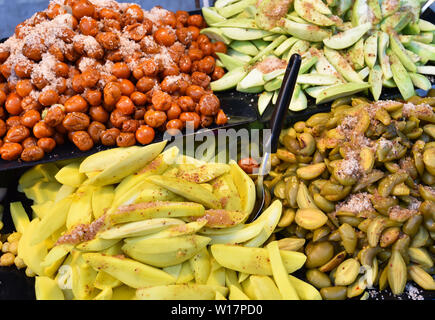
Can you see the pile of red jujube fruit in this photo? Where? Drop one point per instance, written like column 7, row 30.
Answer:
column 114, row 77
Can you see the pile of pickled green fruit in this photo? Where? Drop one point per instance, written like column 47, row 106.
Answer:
column 358, row 190
column 347, row 47
column 143, row 223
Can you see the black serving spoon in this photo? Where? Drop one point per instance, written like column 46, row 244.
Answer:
column 276, row 122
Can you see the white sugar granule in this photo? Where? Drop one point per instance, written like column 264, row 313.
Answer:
column 173, row 79
column 86, row 63
column 356, row 203
column 164, row 57
column 347, row 125
column 156, row 15
column 410, row 109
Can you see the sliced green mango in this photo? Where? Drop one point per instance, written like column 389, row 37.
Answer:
column 245, row 47
column 341, row 90
column 151, row 192
column 96, row 244
column 101, row 160
column 413, row 6
column 343, row 6
column 149, row 210
column 389, row 7
column 202, row 174
column 375, row 80
column 293, row 16
column 254, row 260
column 400, row 51
column 307, row 63
column 70, row 175
column 286, row 45
column 375, row 7
column 412, row 29
column 102, row 199
column 273, row 74
column 315, row 91
column 253, row 79
column 300, row 47
column 134, row 187
column 306, row 31
column 269, row 49
column 420, row 81
column 64, row 191
column 274, row 84
column 275, row 97
column 323, row 66
column 304, row 290
column 229, row 62
column 229, row 80
column 260, row 43
column 426, row 25
column 430, row 70
column 128, row 271
column 19, row 216
column 53, row 220
column 425, row 37
column 188, row 190
column 47, row 289
column 363, row 73
column 235, row 8
column 131, row 164
column 299, row 100
column 181, row 292
column 347, row 38
column 271, row 220
column 165, row 252
column 263, row 18
column 80, row 208
column 238, row 55
column 258, row 287
column 401, row 77
column 243, row 34
column 425, row 51
column 341, row 64
column 256, row 89
column 223, row 3
column 414, row 57
column 39, row 173
column 397, row 22
column 263, row 101
column 40, row 210
column 139, row 228
column 201, row 266
column 42, row 191
column 317, row 79
column 83, row 277
column 371, row 50
column 236, row 23
column 216, row 34
column 389, row 83
column 271, row 37
column 249, row 12
column 174, row 231
column 384, row 41
column 211, row 16
column 226, row 191
column 304, row 8
column 361, row 13
column 356, row 54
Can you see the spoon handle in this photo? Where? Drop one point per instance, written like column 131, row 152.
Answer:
column 283, row 102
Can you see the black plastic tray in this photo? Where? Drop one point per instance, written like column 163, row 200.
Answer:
column 239, row 107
